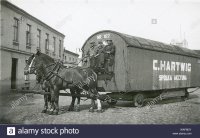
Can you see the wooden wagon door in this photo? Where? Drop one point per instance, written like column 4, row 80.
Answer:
column 14, row 73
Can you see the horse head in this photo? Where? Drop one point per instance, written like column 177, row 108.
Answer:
column 36, row 63
column 29, row 68
column 31, row 64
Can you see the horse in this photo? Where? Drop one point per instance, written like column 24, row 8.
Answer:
column 40, row 80
column 60, row 78
column 46, row 86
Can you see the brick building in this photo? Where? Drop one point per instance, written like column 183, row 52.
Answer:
column 21, row 35
column 70, row 59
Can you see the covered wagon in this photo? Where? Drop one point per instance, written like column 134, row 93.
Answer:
column 134, row 68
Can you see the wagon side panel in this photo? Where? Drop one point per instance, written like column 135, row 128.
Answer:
column 154, row 70
column 195, row 74
column 140, row 70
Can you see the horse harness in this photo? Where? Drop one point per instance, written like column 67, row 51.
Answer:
column 54, row 72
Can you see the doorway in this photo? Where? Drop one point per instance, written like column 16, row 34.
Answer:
column 14, row 73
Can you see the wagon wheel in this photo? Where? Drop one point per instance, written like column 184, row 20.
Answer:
column 138, row 100
column 186, row 96
column 112, row 102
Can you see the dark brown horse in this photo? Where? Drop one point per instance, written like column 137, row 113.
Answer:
column 45, row 85
column 40, row 80
column 60, row 78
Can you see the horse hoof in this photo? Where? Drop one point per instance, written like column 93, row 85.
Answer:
column 91, row 110
column 71, row 109
column 44, row 111
column 55, row 113
column 100, row 111
column 77, row 110
column 50, row 112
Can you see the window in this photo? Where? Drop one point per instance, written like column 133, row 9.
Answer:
column 69, row 58
column 16, row 29
column 1, row 27
column 47, row 42
column 59, row 48
column 54, row 44
column 38, row 38
column 28, row 35
column 65, row 58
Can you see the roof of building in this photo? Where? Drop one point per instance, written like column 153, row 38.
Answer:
column 133, row 41
column 198, row 51
column 70, row 52
column 21, row 11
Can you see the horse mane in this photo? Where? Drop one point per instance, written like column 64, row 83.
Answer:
column 46, row 58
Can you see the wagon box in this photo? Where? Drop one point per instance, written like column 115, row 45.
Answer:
column 143, row 65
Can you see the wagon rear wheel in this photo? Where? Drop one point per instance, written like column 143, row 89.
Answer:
column 186, row 96
column 138, row 100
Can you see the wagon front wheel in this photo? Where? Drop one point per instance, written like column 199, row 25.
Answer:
column 138, row 100
column 112, row 102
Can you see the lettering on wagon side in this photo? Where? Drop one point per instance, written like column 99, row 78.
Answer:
column 179, row 69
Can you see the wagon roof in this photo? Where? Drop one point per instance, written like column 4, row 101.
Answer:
column 133, row 41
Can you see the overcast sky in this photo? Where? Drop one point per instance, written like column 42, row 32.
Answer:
column 79, row 19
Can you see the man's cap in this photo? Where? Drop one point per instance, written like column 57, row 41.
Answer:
column 92, row 42
column 109, row 40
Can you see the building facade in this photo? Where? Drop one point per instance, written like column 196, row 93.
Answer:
column 70, row 59
column 21, row 35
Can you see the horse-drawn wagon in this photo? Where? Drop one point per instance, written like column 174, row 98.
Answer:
column 134, row 68
column 125, row 67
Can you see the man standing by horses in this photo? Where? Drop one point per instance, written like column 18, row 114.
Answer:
column 92, row 54
column 109, row 54
column 98, row 55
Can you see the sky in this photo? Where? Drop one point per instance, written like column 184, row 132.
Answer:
column 79, row 19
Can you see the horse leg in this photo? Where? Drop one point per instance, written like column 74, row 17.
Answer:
column 77, row 109
column 49, row 103
column 92, row 106
column 56, row 101
column 45, row 104
column 99, row 107
column 71, row 107
column 52, row 108
column 46, row 99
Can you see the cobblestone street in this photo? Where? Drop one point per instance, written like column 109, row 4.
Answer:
column 171, row 111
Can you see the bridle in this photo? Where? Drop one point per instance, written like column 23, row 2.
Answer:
column 31, row 67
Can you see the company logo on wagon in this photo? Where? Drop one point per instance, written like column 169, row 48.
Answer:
column 165, row 69
column 10, row 131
